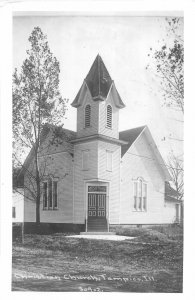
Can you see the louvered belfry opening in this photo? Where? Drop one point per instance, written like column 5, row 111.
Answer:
column 88, row 116
column 109, row 116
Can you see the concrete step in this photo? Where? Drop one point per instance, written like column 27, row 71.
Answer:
column 97, row 225
column 97, row 221
column 97, row 233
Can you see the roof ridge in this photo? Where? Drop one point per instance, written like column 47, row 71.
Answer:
column 98, row 57
column 139, row 127
column 130, row 135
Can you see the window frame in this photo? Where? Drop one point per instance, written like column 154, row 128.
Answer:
column 43, row 193
column 107, row 123
column 48, row 207
column 87, row 126
column 85, row 167
column 55, row 181
column 140, row 201
column 50, row 194
column 111, row 153
column 13, row 212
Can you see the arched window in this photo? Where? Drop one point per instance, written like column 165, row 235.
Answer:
column 109, row 116
column 140, row 194
column 87, row 115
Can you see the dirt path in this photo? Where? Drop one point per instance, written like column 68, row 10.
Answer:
column 52, row 263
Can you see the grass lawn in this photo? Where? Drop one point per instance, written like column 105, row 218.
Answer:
column 152, row 262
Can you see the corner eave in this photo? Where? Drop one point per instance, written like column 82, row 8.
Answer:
column 78, row 99
column 118, row 101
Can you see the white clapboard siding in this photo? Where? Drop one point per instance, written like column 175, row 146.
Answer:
column 169, row 212
column 113, row 177
column 61, row 166
column 96, row 171
column 132, row 167
column 81, row 176
column 18, row 203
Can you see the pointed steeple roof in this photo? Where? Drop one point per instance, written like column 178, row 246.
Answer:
column 98, row 82
column 98, row 79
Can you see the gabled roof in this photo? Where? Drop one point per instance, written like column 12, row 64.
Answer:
column 65, row 134
column 99, row 83
column 132, row 135
column 17, row 182
column 129, row 136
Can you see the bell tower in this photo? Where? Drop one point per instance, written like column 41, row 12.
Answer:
column 98, row 103
column 97, row 149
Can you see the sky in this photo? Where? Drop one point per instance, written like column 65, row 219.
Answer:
column 124, row 44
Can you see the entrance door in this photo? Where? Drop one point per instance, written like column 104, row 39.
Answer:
column 97, row 220
column 96, row 205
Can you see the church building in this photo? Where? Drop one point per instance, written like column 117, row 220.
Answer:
column 99, row 177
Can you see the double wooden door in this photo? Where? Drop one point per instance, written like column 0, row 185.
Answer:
column 96, row 205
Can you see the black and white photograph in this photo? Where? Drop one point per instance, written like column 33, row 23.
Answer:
column 97, row 152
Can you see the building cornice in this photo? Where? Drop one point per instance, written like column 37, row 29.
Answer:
column 100, row 137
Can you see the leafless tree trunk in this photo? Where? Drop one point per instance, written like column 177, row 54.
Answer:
column 175, row 165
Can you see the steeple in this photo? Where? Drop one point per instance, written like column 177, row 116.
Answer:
column 98, row 103
column 98, row 79
column 99, row 83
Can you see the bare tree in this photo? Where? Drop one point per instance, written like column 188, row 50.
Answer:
column 37, row 102
column 175, row 165
column 168, row 63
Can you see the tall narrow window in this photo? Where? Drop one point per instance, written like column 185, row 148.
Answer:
column 109, row 161
column 135, row 195
column 45, row 203
column 85, row 160
column 109, row 116
column 50, row 193
column 55, row 201
column 144, row 195
column 87, row 115
column 13, row 212
column 140, row 195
